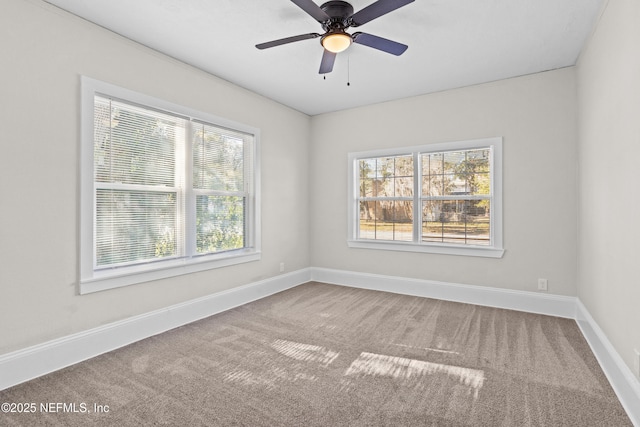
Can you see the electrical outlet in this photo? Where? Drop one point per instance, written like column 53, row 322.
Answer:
column 542, row 284
column 282, row 267
column 636, row 362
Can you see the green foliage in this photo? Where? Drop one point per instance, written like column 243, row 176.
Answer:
column 165, row 243
column 219, row 223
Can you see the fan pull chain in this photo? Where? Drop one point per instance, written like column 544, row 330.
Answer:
column 348, row 70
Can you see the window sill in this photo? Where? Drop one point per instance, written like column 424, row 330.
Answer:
column 444, row 249
column 115, row 278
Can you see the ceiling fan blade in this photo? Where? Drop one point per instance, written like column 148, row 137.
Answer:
column 326, row 65
column 376, row 10
column 286, row 40
column 312, row 9
column 380, row 43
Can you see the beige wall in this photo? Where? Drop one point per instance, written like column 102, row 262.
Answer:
column 609, row 151
column 535, row 114
column 43, row 53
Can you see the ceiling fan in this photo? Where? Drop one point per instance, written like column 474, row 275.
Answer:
column 335, row 17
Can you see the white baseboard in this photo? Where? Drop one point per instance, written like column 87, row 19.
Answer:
column 32, row 362
column 41, row 359
column 624, row 383
column 553, row 305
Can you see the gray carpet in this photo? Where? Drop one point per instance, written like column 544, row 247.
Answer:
column 324, row 355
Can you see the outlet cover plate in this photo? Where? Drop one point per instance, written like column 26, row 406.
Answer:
column 542, row 284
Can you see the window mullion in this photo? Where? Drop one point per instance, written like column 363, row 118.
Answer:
column 189, row 196
column 417, row 192
column 201, row 192
column 496, row 211
column 385, row 198
column 118, row 186
column 457, row 197
column 247, row 180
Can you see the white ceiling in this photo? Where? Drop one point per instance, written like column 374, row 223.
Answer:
column 452, row 43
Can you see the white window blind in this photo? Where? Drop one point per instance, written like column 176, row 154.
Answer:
column 165, row 190
column 219, row 178
column 139, row 187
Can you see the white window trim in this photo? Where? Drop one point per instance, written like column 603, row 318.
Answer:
column 92, row 280
column 496, row 250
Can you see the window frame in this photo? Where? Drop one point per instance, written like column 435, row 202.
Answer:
column 93, row 279
column 494, row 250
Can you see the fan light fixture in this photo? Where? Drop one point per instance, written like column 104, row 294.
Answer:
column 336, row 42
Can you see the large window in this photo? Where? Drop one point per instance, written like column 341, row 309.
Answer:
column 165, row 190
column 439, row 198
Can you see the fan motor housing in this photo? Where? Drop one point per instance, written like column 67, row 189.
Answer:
column 337, row 10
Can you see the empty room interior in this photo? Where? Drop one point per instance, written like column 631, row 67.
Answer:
column 196, row 231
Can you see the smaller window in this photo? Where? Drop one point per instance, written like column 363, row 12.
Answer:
column 438, row 198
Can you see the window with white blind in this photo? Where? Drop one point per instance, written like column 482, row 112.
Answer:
column 438, row 198
column 165, row 190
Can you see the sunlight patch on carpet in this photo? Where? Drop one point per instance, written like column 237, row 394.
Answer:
column 305, row 352
column 269, row 379
column 380, row 365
